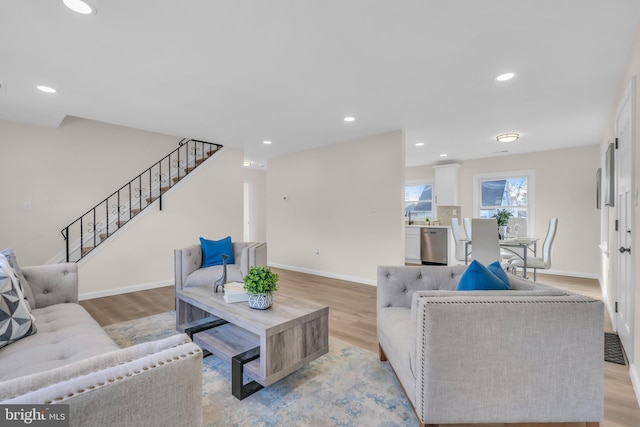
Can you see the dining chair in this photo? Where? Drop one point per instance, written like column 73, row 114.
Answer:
column 457, row 237
column 543, row 262
column 467, row 227
column 486, row 248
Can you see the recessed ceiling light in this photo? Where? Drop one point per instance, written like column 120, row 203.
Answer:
column 80, row 6
column 443, row 155
column 247, row 163
column 349, row 119
column 506, row 76
column 419, row 144
column 46, row 89
column 507, row 137
column 266, row 142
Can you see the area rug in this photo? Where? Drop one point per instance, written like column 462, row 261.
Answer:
column 349, row 386
column 613, row 349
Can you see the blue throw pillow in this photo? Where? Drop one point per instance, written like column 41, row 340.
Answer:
column 212, row 251
column 478, row 278
column 496, row 269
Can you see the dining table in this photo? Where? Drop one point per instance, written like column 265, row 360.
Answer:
column 511, row 244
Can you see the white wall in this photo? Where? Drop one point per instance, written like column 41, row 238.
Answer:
column 344, row 200
column 257, row 180
column 80, row 163
column 564, row 188
column 208, row 203
column 608, row 260
column 63, row 172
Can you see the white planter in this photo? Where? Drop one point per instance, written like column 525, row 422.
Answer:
column 260, row 301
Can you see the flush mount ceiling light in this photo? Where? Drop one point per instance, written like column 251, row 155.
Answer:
column 247, row 163
column 80, row 6
column 266, row 142
column 443, row 155
column 507, row 137
column 46, row 89
column 349, row 119
column 419, row 144
column 506, row 76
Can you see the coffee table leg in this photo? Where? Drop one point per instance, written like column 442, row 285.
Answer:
column 238, row 389
column 209, row 325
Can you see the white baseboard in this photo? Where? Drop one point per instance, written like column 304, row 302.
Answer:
column 570, row 274
column 324, row 274
column 610, row 309
column 126, row 290
column 635, row 380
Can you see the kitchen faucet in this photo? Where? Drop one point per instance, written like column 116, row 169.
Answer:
column 408, row 213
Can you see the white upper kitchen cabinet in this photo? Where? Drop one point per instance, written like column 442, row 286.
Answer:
column 447, row 184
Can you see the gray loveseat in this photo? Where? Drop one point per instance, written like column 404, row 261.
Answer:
column 533, row 354
column 71, row 360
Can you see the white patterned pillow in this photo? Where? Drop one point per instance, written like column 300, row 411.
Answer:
column 24, row 285
column 16, row 320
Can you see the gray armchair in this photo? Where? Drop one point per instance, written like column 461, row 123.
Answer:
column 189, row 274
column 188, row 261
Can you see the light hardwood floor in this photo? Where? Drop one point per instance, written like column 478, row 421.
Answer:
column 352, row 318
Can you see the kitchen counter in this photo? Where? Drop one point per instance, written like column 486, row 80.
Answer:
column 427, row 225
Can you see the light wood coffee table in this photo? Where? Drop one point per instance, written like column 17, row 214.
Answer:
column 265, row 345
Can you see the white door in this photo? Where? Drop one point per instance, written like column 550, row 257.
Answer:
column 625, row 214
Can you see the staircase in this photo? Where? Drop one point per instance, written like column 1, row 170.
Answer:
column 107, row 217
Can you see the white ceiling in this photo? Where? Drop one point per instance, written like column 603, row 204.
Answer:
column 238, row 72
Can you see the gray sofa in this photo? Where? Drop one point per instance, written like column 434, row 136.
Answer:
column 71, row 360
column 533, row 354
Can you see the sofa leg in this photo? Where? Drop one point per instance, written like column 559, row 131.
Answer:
column 383, row 357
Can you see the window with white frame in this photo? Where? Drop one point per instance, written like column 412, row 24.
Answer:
column 418, row 200
column 511, row 191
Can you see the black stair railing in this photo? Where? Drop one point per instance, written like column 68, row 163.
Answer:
column 111, row 214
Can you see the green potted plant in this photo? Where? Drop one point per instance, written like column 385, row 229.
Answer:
column 502, row 217
column 260, row 283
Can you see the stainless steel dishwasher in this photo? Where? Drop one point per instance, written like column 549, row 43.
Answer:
column 433, row 245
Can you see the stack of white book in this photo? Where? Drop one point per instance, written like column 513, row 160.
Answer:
column 234, row 292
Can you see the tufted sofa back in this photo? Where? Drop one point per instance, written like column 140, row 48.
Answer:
column 52, row 284
column 397, row 284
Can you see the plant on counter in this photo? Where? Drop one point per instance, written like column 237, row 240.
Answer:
column 261, row 280
column 502, row 216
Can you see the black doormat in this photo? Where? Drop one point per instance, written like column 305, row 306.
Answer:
column 613, row 349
